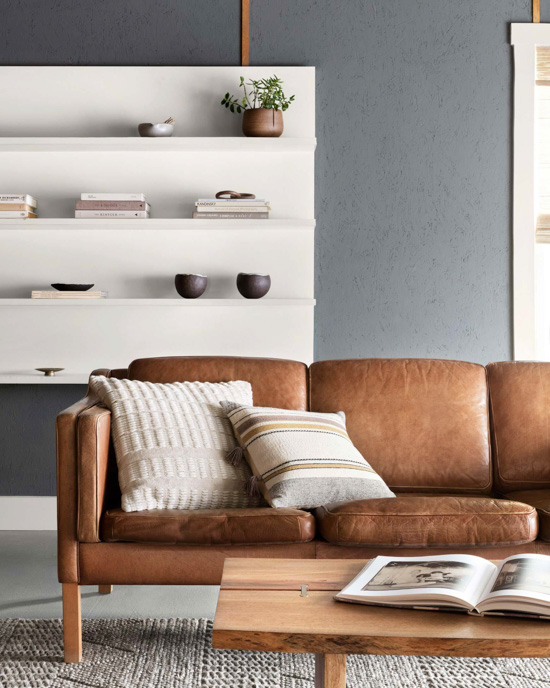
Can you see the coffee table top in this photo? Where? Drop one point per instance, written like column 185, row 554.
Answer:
column 260, row 608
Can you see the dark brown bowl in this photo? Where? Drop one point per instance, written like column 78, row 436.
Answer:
column 253, row 286
column 190, row 286
column 62, row 286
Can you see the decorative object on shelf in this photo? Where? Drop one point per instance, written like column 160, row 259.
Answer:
column 228, row 195
column 17, row 206
column 232, row 205
column 61, row 286
column 190, row 286
column 260, row 122
column 49, row 372
column 252, row 285
column 263, row 104
column 165, row 128
column 44, row 294
column 128, row 206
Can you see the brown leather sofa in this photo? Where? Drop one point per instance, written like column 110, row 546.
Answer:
column 465, row 448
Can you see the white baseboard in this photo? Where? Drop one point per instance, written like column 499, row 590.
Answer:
column 28, row 513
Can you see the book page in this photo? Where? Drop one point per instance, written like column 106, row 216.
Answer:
column 523, row 576
column 422, row 580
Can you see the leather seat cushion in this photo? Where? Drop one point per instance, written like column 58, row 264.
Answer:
column 421, row 520
column 254, row 526
column 540, row 499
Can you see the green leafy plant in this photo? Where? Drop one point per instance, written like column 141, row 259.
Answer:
column 260, row 93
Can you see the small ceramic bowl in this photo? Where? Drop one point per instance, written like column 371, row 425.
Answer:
column 253, row 286
column 161, row 129
column 62, row 286
column 190, row 286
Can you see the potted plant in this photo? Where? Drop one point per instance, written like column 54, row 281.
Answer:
column 263, row 104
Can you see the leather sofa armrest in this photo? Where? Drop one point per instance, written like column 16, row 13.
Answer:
column 67, row 489
column 93, row 440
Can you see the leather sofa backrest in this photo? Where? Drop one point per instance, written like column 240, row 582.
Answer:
column 520, row 424
column 421, row 423
column 275, row 382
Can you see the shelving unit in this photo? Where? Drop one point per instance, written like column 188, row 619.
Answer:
column 135, row 260
column 266, row 302
column 175, row 144
column 36, row 378
column 153, row 224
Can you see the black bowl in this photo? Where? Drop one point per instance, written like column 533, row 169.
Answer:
column 253, row 286
column 60, row 286
column 190, row 286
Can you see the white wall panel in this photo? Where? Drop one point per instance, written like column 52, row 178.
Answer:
column 68, row 130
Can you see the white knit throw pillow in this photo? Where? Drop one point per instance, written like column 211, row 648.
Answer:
column 171, row 441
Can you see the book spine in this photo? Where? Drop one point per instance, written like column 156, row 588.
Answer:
column 233, row 209
column 18, row 198
column 12, row 214
column 112, row 205
column 231, row 200
column 228, row 204
column 117, row 214
column 112, row 197
column 230, row 216
column 17, row 206
column 68, row 295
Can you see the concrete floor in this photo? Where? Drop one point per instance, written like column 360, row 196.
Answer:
column 29, row 587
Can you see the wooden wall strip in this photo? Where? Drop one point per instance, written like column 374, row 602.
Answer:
column 543, row 64
column 536, row 11
column 245, row 32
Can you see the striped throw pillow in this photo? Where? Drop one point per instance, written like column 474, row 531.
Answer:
column 302, row 459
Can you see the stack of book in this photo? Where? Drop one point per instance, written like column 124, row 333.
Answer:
column 231, row 208
column 124, row 206
column 44, row 294
column 13, row 206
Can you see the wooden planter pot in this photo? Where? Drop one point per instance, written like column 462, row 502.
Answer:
column 262, row 122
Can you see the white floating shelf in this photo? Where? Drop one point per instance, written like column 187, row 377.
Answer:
column 42, row 223
column 36, row 378
column 181, row 302
column 193, row 144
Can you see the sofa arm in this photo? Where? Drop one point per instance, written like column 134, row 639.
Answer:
column 93, row 440
column 67, row 489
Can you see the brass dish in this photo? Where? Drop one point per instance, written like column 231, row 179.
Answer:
column 49, row 372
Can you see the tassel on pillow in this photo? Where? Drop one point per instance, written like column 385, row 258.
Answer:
column 253, row 486
column 235, row 456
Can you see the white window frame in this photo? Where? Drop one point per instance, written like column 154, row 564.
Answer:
column 525, row 38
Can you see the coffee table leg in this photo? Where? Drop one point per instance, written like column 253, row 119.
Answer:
column 330, row 671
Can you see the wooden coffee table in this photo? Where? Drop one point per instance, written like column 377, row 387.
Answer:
column 262, row 606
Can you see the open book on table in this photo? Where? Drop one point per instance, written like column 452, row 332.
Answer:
column 519, row 585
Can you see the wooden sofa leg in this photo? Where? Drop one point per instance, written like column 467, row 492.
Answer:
column 105, row 589
column 72, row 622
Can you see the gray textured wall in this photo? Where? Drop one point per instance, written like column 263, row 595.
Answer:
column 413, row 252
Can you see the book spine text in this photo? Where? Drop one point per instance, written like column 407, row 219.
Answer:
column 18, row 198
column 13, row 214
column 112, row 197
column 117, row 214
column 111, row 205
column 230, row 216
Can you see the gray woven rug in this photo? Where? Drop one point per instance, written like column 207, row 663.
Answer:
column 129, row 653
